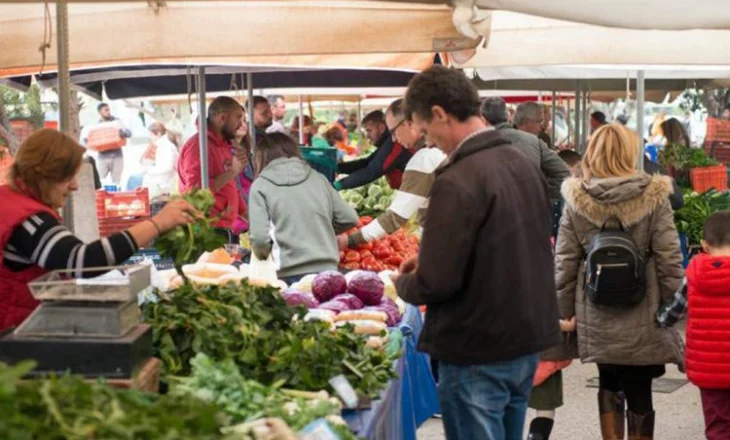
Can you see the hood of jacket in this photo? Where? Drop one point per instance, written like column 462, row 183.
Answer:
column 630, row 199
column 286, row 171
column 710, row 274
column 487, row 139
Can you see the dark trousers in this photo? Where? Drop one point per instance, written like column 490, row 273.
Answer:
column 633, row 381
column 716, row 408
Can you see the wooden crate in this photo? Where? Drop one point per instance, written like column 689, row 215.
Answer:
column 147, row 379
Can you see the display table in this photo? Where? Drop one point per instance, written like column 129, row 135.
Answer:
column 409, row 400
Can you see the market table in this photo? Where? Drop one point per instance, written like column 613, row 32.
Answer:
column 409, row 400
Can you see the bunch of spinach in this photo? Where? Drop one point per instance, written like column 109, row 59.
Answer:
column 690, row 219
column 185, row 244
column 268, row 341
column 68, row 408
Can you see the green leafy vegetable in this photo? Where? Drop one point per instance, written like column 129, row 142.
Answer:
column 690, row 220
column 185, row 244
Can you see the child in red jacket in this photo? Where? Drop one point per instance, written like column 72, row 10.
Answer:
column 705, row 293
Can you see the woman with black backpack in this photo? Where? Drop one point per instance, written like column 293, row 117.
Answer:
column 617, row 259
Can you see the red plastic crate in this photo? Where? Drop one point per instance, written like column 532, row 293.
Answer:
column 717, row 130
column 110, row 226
column 707, row 178
column 104, row 137
column 123, row 204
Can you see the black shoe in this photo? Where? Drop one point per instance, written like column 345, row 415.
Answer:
column 540, row 428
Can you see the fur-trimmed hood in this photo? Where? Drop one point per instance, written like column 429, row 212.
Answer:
column 630, row 199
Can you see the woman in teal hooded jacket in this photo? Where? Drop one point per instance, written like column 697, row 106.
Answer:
column 294, row 212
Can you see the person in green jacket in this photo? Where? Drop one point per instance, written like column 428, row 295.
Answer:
column 294, row 212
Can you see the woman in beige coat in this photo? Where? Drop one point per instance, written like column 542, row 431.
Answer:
column 628, row 346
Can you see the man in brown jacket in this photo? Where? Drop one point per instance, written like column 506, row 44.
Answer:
column 485, row 270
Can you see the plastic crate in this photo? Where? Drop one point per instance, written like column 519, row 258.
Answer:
column 123, row 204
column 105, row 136
column 323, row 160
column 707, row 178
column 717, row 130
column 110, row 226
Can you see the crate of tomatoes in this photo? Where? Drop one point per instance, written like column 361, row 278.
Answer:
column 385, row 254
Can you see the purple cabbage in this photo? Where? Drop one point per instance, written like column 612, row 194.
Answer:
column 368, row 287
column 295, row 298
column 390, row 308
column 328, row 284
column 351, row 300
column 335, row 306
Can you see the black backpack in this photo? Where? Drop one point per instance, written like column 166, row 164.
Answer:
column 615, row 271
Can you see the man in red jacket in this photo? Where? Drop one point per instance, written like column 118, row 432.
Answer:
column 706, row 293
column 224, row 119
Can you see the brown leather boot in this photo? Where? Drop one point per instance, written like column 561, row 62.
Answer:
column 640, row 427
column 611, row 409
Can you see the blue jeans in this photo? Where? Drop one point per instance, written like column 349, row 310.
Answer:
column 486, row 402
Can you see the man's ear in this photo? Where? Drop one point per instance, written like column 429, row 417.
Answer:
column 705, row 246
column 439, row 114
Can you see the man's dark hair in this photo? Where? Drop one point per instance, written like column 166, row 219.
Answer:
column 494, row 110
column 717, row 229
column 259, row 100
column 448, row 88
column 570, row 157
column 397, row 108
column 375, row 117
column 101, row 106
column 599, row 117
column 222, row 104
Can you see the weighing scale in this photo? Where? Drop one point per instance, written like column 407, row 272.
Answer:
column 88, row 325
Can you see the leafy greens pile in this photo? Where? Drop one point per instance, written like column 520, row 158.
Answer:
column 697, row 207
column 185, row 244
column 67, row 408
column 245, row 400
column 268, row 341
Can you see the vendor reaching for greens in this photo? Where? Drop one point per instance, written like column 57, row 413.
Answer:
column 294, row 213
column 32, row 238
column 412, row 198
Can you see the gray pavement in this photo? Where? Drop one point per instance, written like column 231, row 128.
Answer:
column 679, row 414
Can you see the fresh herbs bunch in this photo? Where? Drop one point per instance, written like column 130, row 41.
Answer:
column 268, row 341
column 697, row 207
column 67, row 408
column 246, row 400
column 185, row 244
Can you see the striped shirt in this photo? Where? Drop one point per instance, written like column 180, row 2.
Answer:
column 41, row 240
column 410, row 199
column 670, row 314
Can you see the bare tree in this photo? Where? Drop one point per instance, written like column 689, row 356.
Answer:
column 6, row 131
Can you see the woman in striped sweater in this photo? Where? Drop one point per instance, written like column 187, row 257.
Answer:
column 32, row 237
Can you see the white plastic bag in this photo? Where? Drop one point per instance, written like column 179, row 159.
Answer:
column 263, row 270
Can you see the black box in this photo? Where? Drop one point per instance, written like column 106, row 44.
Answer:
column 112, row 358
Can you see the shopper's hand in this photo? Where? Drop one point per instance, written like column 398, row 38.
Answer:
column 239, row 162
column 175, row 213
column 342, row 242
column 567, row 325
column 280, row 430
column 409, row 266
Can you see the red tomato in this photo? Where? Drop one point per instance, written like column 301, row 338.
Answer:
column 351, row 266
column 366, row 220
column 398, row 246
column 381, row 252
column 394, row 260
column 365, row 254
column 365, row 247
column 352, row 257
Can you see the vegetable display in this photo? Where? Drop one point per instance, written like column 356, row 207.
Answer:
column 329, row 284
column 368, row 287
column 245, row 401
column 67, row 408
column 268, row 341
column 385, row 254
column 185, row 244
column 370, row 200
column 690, row 219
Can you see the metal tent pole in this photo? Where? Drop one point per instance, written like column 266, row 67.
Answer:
column 203, row 130
column 301, row 120
column 251, row 119
column 567, row 119
column 578, row 102
column 64, row 76
column 586, row 117
column 552, row 122
column 640, row 79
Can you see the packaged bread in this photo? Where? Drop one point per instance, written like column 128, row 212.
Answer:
column 365, row 327
column 357, row 315
column 320, row 315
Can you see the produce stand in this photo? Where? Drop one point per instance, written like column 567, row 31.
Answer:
column 409, row 400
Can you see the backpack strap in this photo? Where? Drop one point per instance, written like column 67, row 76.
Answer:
column 616, row 220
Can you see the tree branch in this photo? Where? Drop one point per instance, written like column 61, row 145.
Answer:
column 6, row 131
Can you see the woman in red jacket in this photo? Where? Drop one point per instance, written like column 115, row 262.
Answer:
column 32, row 238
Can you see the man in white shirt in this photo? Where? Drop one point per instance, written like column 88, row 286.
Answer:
column 278, row 111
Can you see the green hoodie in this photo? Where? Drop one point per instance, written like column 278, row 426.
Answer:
column 295, row 214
